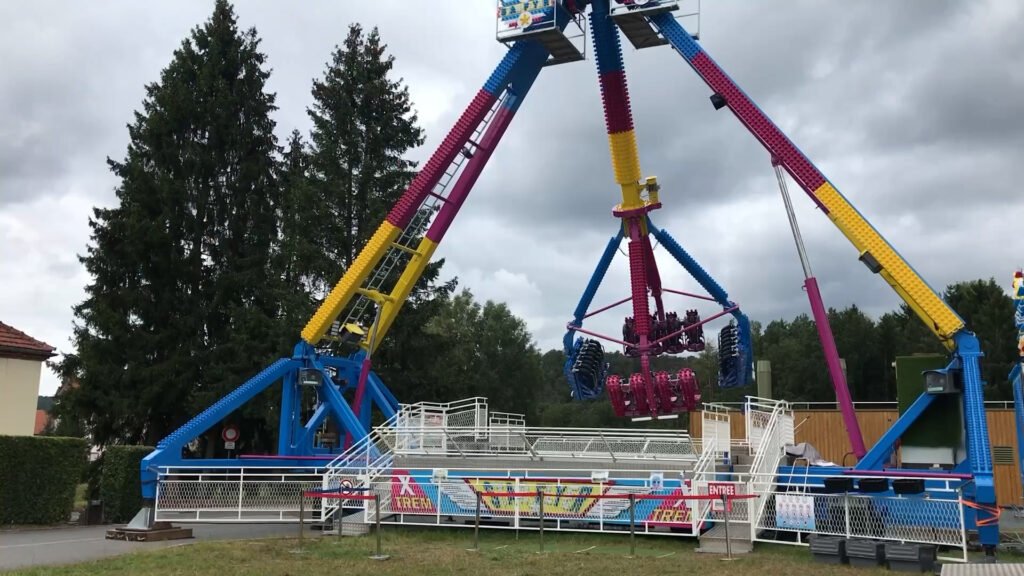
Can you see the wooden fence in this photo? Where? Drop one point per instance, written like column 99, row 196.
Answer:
column 824, row 430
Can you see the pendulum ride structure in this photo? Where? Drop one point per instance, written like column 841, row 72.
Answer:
column 651, row 330
column 318, row 383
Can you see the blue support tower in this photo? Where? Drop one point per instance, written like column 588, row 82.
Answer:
column 296, row 442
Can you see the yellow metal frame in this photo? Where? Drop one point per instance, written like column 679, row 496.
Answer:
column 935, row 312
column 350, row 282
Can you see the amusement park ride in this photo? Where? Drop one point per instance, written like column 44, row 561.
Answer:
column 365, row 303
column 1017, row 373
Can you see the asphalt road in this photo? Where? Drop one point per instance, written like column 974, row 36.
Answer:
column 67, row 545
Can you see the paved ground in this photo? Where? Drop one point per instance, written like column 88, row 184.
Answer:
column 71, row 544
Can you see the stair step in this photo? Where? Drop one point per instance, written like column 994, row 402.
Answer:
column 353, row 525
column 713, row 541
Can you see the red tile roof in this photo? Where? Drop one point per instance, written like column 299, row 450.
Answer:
column 42, row 419
column 16, row 344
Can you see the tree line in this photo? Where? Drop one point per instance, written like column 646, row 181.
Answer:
column 224, row 240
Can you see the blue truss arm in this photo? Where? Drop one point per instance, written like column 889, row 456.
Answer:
column 1017, row 382
column 716, row 291
column 876, row 457
column 168, row 450
column 595, row 282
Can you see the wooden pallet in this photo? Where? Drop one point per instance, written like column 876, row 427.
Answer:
column 159, row 531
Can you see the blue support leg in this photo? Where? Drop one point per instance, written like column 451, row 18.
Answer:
column 366, row 408
column 879, row 453
column 1017, row 382
column 168, row 450
column 340, row 410
column 716, row 291
column 382, row 396
column 979, row 452
column 288, row 424
column 588, row 385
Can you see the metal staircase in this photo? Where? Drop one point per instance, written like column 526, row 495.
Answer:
column 769, row 427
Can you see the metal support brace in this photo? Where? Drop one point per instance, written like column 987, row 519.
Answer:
column 828, row 343
column 595, row 282
column 875, row 457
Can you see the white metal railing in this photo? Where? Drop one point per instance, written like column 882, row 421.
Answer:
column 859, row 405
column 508, row 419
column 240, row 494
column 716, row 428
column 772, row 434
column 796, row 504
column 534, row 443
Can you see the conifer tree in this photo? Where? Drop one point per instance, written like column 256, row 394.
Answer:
column 363, row 125
column 183, row 299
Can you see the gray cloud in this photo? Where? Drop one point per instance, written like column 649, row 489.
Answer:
column 912, row 109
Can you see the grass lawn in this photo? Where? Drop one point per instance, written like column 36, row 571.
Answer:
column 415, row 552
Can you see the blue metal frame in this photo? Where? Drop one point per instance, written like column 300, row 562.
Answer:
column 1017, row 382
column 964, row 359
column 584, row 390
column 296, row 438
column 718, row 293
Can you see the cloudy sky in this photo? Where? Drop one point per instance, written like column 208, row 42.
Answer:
column 915, row 110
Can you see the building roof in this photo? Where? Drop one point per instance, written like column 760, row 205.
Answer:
column 42, row 419
column 16, row 344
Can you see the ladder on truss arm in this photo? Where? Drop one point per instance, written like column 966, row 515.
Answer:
column 402, row 249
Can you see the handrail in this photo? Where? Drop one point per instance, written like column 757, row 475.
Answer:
column 769, row 445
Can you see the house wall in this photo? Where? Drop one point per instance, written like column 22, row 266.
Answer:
column 19, row 392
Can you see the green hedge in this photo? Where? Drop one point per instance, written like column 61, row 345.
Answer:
column 120, row 488
column 38, row 476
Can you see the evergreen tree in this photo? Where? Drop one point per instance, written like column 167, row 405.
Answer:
column 484, row 350
column 184, row 301
column 353, row 171
column 299, row 257
column 363, row 124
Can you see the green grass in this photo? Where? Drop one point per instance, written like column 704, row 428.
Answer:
column 433, row 552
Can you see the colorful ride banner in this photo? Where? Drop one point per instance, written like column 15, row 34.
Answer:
column 522, row 17
column 417, row 492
